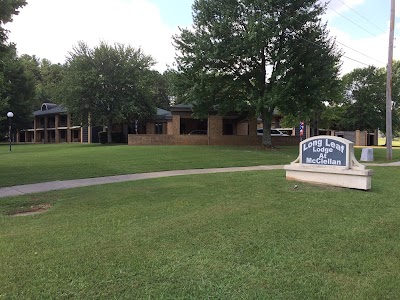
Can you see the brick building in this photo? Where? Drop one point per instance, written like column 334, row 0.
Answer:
column 179, row 127
column 53, row 124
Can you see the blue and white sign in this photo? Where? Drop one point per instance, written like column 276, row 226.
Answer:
column 325, row 150
column 329, row 160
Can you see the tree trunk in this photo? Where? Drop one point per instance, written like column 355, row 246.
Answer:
column 109, row 131
column 267, row 121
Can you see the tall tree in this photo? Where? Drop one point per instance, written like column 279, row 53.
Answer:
column 256, row 56
column 108, row 84
column 364, row 96
column 396, row 99
column 47, row 77
column 18, row 90
column 158, row 88
column 363, row 104
column 8, row 9
column 51, row 75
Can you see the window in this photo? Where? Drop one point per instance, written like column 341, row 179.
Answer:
column 158, row 128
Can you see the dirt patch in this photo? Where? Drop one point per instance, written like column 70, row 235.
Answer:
column 33, row 210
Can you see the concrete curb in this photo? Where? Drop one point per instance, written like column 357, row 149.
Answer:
column 19, row 190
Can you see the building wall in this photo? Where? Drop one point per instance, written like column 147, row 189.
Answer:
column 215, row 126
column 53, row 129
column 245, row 134
column 170, row 127
column 223, row 140
column 176, row 124
column 243, row 128
column 358, row 137
column 150, row 129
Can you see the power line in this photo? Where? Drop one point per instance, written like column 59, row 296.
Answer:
column 363, row 17
column 356, row 60
column 318, row 45
column 352, row 21
column 342, row 55
column 350, row 49
column 360, row 52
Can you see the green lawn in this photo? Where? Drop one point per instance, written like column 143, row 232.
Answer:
column 246, row 235
column 40, row 163
column 395, row 142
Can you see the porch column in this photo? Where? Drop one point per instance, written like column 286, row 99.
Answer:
column 361, row 138
column 170, row 128
column 34, row 129
column 46, row 135
column 215, row 126
column 68, row 128
column 176, row 124
column 57, row 131
column 89, row 134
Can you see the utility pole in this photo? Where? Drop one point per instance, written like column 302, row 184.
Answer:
column 389, row 86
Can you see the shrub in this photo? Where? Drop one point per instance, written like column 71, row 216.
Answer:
column 116, row 137
column 103, row 137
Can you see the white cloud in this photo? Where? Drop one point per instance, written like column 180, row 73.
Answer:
column 370, row 51
column 49, row 29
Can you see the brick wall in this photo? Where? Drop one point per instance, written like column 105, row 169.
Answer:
column 223, row 140
column 150, row 128
column 176, row 124
column 166, row 139
column 215, row 125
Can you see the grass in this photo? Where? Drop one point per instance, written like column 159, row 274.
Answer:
column 40, row 163
column 246, row 235
column 395, row 142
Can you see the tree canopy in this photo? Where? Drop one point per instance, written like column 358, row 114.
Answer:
column 108, row 84
column 256, row 56
column 363, row 104
column 15, row 87
column 8, row 9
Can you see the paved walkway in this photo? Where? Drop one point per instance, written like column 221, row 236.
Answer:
column 392, row 164
column 18, row 190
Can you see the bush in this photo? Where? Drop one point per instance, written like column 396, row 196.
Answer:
column 115, row 136
column 103, row 137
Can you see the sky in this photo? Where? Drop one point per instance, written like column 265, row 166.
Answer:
column 51, row 28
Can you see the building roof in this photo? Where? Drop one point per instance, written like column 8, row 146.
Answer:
column 50, row 109
column 162, row 114
column 182, row 107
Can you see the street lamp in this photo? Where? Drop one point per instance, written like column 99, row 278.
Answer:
column 9, row 116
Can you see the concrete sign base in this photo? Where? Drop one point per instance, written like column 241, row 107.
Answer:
column 329, row 160
column 355, row 179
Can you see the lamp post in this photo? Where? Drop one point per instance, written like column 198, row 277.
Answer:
column 9, row 116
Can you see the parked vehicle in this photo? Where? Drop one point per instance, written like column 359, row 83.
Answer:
column 274, row 132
